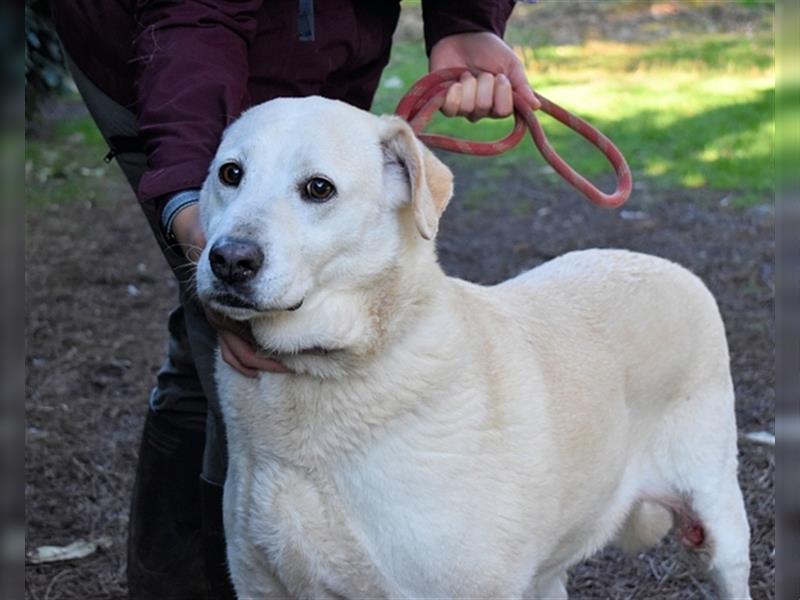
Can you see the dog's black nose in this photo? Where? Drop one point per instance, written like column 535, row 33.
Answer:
column 235, row 261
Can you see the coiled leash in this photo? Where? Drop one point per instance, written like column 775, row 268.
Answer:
column 428, row 95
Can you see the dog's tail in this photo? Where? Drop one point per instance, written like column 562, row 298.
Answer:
column 645, row 526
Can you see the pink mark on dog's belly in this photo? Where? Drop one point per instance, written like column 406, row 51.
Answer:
column 694, row 534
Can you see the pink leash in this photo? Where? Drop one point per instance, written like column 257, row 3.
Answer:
column 427, row 96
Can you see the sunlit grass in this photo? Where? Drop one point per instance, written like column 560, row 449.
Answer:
column 694, row 111
column 709, row 52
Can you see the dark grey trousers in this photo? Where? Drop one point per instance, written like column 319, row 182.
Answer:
column 185, row 391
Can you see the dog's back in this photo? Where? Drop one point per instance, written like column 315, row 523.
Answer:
column 615, row 308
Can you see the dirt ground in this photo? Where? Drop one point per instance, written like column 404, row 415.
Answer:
column 98, row 294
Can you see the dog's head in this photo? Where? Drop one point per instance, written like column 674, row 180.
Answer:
column 311, row 201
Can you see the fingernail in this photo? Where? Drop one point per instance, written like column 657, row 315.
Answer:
column 502, row 78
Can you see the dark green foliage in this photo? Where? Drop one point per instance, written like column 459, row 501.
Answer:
column 44, row 63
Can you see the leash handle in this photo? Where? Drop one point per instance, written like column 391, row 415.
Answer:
column 428, row 94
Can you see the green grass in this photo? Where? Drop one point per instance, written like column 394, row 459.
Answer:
column 66, row 164
column 693, row 112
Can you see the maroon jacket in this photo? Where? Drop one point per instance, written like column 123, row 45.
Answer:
column 187, row 68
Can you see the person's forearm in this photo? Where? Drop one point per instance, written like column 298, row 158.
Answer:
column 176, row 204
column 447, row 17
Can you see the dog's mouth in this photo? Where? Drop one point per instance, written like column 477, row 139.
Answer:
column 238, row 306
column 316, row 351
column 230, row 300
column 281, row 357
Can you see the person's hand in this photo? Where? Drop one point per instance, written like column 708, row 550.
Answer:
column 239, row 348
column 495, row 72
column 188, row 231
column 236, row 341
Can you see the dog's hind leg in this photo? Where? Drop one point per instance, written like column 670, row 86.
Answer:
column 722, row 535
column 697, row 455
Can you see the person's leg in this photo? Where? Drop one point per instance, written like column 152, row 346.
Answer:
column 175, row 533
column 202, row 340
column 165, row 533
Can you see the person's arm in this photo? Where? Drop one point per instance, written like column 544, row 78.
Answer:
column 442, row 18
column 192, row 76
column 468, row 33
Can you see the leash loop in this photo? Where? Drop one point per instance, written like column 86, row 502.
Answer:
column 428, row 95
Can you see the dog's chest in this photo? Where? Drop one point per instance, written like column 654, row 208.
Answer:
column 294, row 521
column 386, row 524
column 425, row 507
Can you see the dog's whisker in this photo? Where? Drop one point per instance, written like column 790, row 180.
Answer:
column 189, row 284
column 191, row 252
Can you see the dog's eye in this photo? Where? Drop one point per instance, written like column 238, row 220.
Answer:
column 230, row 174
column 319, row 189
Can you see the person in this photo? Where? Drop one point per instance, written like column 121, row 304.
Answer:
column 162, row 79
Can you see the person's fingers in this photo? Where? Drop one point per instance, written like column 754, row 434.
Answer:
column 238, row 346
column 452, row 100
column 229, row 357
column 194, row 249
column 200, row 239
column 469, row 87
column 503, row 104
column 484, row 96
column 188, row 231
column 520, row 85
column 264, row 363
column 247, row 356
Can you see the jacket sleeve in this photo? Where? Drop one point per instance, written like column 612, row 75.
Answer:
column 446, row 17
column 192, row 75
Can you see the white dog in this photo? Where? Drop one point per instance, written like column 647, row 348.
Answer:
column 436, row 438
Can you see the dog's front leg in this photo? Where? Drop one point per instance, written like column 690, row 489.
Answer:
column 262, row 586
column 548, row 587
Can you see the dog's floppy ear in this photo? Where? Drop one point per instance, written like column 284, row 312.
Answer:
column 431, row 182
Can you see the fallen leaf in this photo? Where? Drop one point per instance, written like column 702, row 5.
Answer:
column 393, row 83
column 761, row 437
column 74, row 551
column 632, row 215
